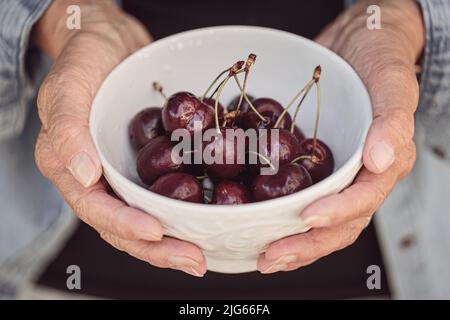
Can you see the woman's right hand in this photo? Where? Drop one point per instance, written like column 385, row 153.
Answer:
column 65, row 152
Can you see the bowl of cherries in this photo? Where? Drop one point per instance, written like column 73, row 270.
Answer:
column 226, row 134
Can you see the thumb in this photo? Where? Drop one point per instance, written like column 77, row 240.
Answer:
column 64, row 103
column 394, row 92
column 64, row 111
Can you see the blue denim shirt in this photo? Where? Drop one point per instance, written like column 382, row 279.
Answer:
column 34, row 219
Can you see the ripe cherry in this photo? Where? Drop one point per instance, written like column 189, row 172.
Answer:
column 290, row 178
column 223, row 147
column 155, row 159
column 145, row 125
column 271, row 110
column 317, row 158
column 182, row 109
column 230, row 192
column 287, row 145
column 180, row 186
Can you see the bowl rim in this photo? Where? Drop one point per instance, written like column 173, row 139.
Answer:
column 355, row 159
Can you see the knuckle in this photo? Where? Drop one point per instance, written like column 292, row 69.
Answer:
column 350, row 234
column 46, row 96
column 358, row 206
column 151, row 258
column 41, row 152
column 405, row 119
column 399, row 125
column 122, row 230
column 62, row 130
column 379, row 195
column 114, row 241
column 79, row 206
column 313, row 252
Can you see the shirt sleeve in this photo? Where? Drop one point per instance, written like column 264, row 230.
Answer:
column 434, row 107
column 17, row 86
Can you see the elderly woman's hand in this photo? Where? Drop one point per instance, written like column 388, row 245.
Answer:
column 385, row 59
column 65, row 152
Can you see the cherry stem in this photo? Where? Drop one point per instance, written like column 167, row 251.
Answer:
column 217, row 88
column 315, row 80
column 248, row 100
column 216, row 104
column 301, row 158
column 250, row 61
column 267, row 160
column 236, row 68
column 282, row 115
column 316, row 126
column 159, row 88
column 214, row 82
column 297, row 109
column 202, row 177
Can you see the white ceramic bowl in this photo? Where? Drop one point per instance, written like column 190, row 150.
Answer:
column 232, row 237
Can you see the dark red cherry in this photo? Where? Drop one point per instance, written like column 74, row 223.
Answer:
column 271, row 110
column 223, row 147
column 299, row 133
column 320, row 164
column 289, row 179
column 244, row 105
column 287, row 145
column 230, row 192
column 146, row 125
column 155, row 159
column 180, row 186
column 183, row 109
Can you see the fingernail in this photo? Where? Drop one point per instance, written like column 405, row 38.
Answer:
column 382, row 155
column 185, row 264
column 317, row 221
column 280, row 264
column 83, row 169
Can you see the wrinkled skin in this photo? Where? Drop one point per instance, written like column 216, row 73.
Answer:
column 65, row 152
column 385, row 60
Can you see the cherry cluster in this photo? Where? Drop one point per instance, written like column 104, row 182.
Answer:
column 301, row 161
